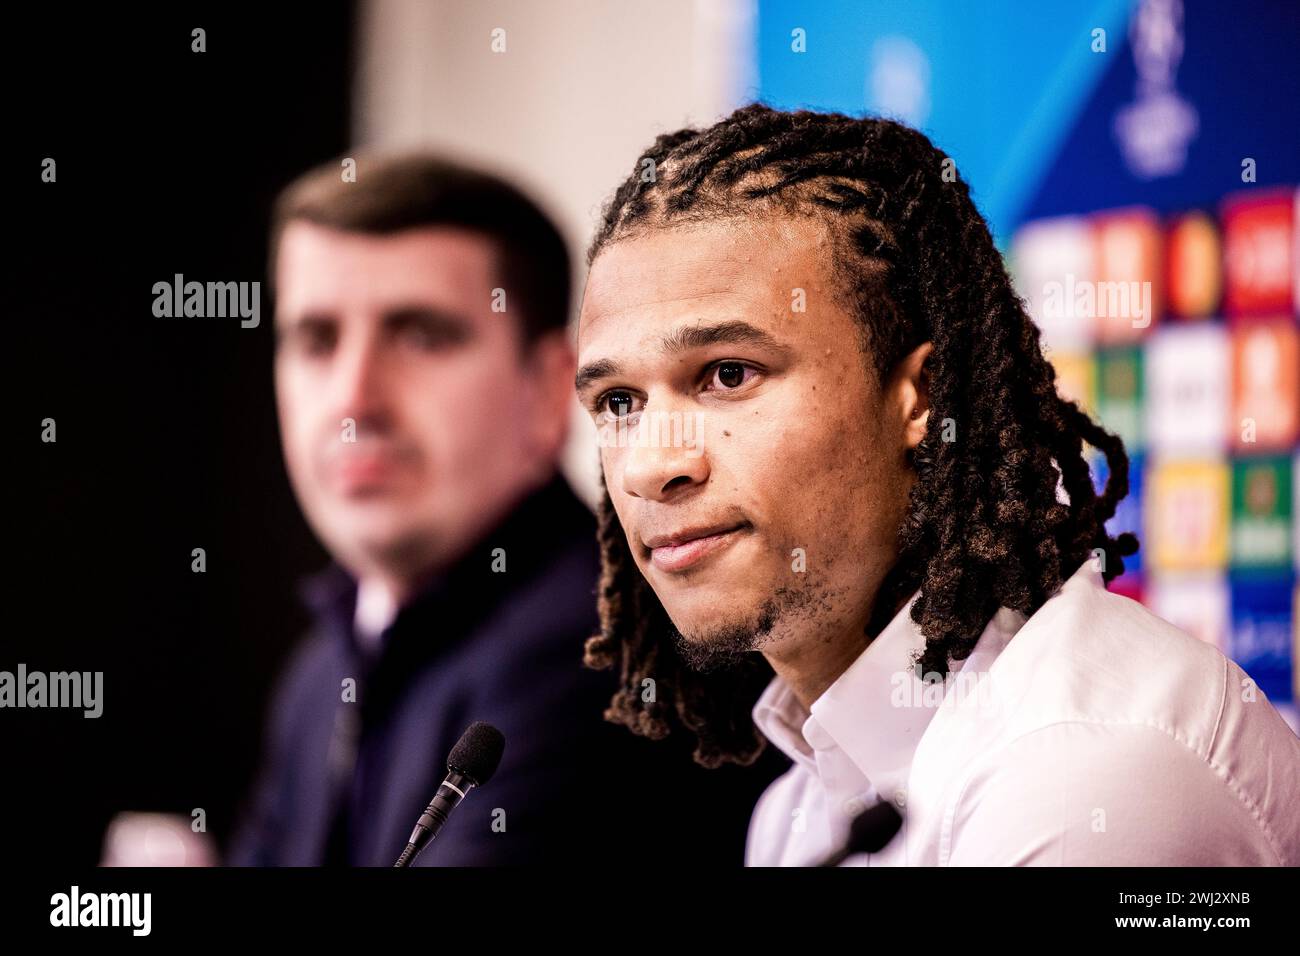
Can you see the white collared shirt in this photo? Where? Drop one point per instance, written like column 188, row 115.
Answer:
column 1101, row 735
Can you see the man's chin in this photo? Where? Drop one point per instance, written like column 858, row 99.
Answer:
column 381, row 542
column 719, row 646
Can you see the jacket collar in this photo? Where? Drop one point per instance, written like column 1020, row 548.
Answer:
column 540, row 526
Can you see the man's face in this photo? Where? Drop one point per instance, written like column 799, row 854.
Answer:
column 775, row 530
column 409, row 416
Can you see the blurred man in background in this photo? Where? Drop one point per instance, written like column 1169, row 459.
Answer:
column 422, row 372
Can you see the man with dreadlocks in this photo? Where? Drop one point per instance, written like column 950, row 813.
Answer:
column 846, row 511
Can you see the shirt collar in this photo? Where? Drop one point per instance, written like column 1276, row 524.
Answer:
column 861, row 694
column 876, row 712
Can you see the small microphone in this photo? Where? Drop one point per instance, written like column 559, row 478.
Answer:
column 471, row 764
column 870, row 831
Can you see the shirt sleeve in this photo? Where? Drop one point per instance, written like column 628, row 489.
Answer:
column 1080, row 793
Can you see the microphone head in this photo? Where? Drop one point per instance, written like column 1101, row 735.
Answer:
column 478, row 752
column 873, row 828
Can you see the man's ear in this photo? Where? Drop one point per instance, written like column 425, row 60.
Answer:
column 912, row 382
column 551, row 364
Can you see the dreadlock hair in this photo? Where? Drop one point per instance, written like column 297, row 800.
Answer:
column 984, row 526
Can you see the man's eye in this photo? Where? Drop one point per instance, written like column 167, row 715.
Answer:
column 315, row 341
column 419, row 338
column 430, row 337
column 617, row 404
column 730, row 375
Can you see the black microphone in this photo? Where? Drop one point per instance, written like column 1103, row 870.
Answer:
column 472, row 763
column 870, row 831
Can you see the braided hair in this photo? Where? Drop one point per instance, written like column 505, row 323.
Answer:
column 984, row 526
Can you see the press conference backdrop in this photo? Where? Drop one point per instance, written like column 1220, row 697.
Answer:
column 1139, row 163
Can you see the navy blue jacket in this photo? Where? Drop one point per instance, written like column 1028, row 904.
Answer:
column 344, row 782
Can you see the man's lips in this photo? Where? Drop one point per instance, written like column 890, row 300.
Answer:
column 682, row 549
column 355, row 471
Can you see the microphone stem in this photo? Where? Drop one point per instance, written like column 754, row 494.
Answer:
column 407, row 856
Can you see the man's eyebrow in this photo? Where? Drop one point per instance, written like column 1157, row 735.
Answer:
column 305, row 320
column 593, row 371
column 724, row 333
column 424, row 315
column 684, row 339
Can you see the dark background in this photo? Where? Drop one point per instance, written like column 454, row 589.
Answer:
column 167, row 441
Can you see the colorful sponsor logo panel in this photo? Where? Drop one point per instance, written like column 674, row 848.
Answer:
column 1204, row 390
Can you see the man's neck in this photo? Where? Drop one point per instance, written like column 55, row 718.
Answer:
column 812, row 667
column 810, row 670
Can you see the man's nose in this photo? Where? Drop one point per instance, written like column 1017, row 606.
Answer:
column 361, row 380
column 664, row 458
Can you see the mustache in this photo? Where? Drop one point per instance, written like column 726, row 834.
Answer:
column 350, row 441
column 668, row 529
